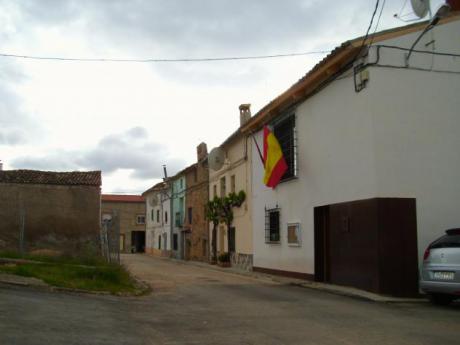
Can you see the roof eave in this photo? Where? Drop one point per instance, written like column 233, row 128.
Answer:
column 330, row 65
column 305, row 87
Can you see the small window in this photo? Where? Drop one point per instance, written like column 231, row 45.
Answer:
column 151, row 215
column 175, row 244
column 190, row 215
column 181, row 182
column 178, row 220
column 272, row 225
column 158, row 216
column 285, row 132
column 140, row 219
column 232, row 184
column 223, row 187
column 159, row 242
column 293, row 234
column 166, row 217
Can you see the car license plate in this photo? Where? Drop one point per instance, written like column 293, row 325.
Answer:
column 443, row 275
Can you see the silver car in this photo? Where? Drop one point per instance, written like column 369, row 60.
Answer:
column 440, row 277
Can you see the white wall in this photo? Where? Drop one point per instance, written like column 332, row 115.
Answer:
column 154, row 228
column 399, row 137
column 417, row 132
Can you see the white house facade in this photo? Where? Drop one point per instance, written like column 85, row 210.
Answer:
column 372, row 142
column 158, row 227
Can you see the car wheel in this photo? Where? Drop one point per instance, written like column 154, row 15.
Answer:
column 441, row 299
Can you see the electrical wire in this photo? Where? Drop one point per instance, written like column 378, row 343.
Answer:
column 402, row 8
column 155, row 60
column 378, row 22
column 368, row 30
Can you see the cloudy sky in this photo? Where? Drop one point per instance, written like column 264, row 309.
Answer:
column 127, row 118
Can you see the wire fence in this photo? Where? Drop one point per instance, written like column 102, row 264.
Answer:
column 110, row 238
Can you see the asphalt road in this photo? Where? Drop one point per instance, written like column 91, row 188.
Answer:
column 194, row 305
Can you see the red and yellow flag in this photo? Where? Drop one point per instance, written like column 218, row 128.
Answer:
column 274, row 162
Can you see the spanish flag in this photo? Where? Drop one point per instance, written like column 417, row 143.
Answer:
column 274, row 162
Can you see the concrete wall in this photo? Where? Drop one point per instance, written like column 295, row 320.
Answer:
column 127, row 213
column 238, row 154
column 64, row 218
column 396, row 138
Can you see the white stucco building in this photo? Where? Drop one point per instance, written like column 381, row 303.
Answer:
column 235, row 176
column 158, row 228
column 376, row 126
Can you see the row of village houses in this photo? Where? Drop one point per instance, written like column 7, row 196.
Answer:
column 371, row 145
column 370, row 140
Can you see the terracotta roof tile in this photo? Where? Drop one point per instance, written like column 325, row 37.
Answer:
column 122, row 198
column 74, row 178
column 158, row 186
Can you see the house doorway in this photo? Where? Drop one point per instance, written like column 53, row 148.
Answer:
column 137, row 241
column 231, row 240
column 321, row 233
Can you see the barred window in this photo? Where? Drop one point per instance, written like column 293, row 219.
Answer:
column 272, row 225
column 285, row 132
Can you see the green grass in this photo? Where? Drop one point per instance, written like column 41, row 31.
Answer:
column 69, row 272
column 60, row 259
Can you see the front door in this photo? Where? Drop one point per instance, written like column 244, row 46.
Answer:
column 231, row 240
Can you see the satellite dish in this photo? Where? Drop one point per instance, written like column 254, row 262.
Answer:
column 153, row 201
column 216, row 158
column 420, row 7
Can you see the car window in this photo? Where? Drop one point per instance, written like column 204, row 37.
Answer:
column 447, row 241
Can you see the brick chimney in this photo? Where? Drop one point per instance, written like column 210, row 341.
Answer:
column 201, row 151
column 245, row 113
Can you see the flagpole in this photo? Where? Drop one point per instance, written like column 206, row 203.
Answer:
column 258, row 148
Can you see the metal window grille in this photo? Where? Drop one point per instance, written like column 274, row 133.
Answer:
column 285, row 132
column 272, row 225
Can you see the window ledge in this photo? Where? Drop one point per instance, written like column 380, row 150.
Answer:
column 292, row 178
column 273, row 242
column 294, row 244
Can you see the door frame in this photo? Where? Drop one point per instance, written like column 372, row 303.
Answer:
column 321, row 243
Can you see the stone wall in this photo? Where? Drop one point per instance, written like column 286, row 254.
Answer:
column 127, row 215
column 197, row 178
column 241, row 261
column 57, row 217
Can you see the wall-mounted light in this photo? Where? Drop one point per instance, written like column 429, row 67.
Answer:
column 440, row 13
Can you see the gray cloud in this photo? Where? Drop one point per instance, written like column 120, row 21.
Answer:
column 15, row 125
column 131, row 149
column 199, row 27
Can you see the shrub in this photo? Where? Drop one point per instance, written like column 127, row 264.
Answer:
column 224, row 257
